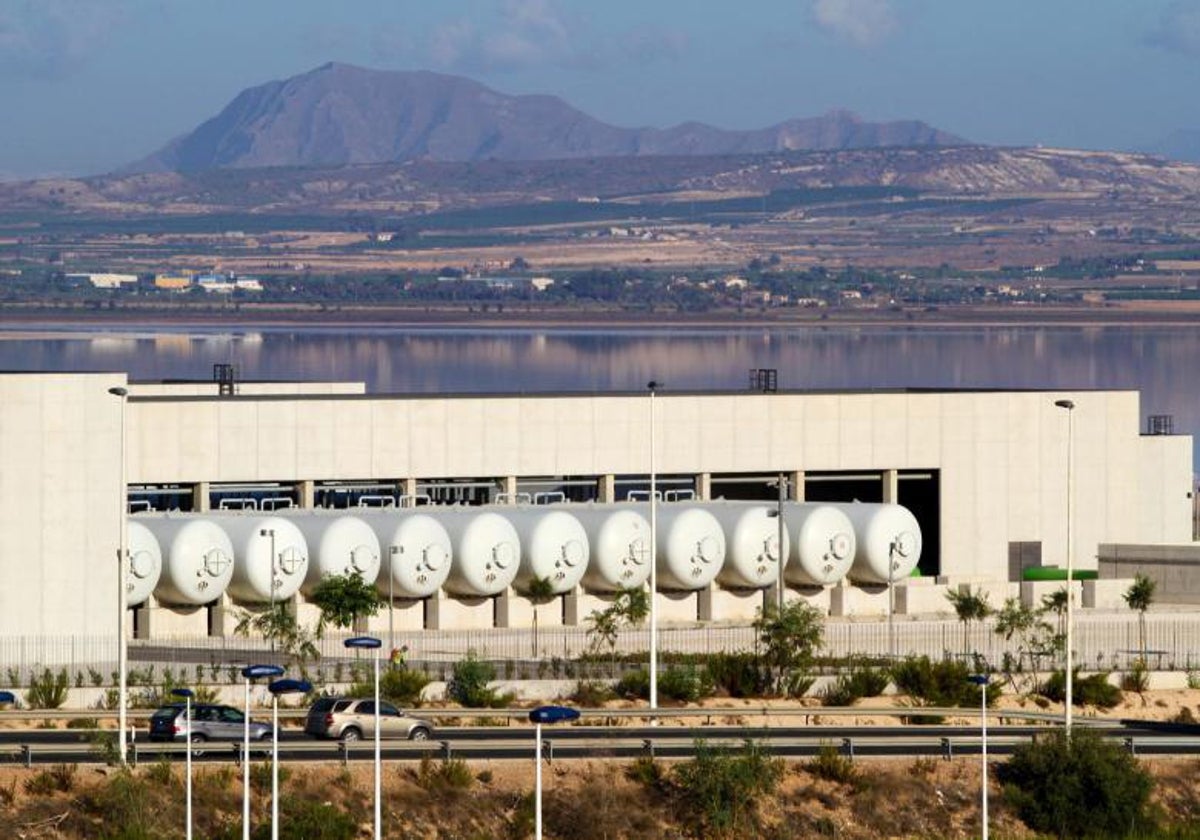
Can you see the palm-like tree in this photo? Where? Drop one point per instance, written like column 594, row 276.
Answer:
column 969, row 606
column 1140, row 596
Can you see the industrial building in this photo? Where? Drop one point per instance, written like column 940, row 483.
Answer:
column 997, row 480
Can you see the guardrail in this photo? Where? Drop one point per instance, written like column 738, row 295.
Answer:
column 509, row 715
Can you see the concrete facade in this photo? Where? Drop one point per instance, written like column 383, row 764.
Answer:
column 1000, row 459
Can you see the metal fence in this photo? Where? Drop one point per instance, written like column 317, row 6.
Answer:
column 1101, row 642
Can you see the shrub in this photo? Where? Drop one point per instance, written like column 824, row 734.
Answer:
column 738, row 674
column 83, row 723
column 721, row 788
column 307, row 818
column 445, row 775
column 591, row 693
column 634, row 685
column 1081, row 786
column 401, row 686
column 646, row 771
column 58, row 779
column 468, row 685
column 839, row 693
column 831, row 765
column 1137, row 678
column 941, row 683
column 684, row 684
column 867, row 681
column 49, row 691
column 1093, row 690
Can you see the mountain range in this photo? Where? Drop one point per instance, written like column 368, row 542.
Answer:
column 340, row 114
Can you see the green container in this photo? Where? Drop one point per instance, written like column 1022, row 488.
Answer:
column 1055, row 573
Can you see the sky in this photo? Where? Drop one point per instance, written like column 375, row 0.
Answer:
column 90, row 85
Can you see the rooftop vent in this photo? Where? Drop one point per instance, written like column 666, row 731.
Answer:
column 1160, row 424
column 765, row 380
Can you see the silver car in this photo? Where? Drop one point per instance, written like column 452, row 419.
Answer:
column 210, row 722
column 353, row 718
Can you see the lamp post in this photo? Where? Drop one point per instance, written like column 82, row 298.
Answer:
column 1069, row 406
column 270, row 532
column 371, row 643
column 548, row 715
column 186, row 694
column 981, row 680
column 276, row 688
column 891, row 601
column 782, row 537
column 251, row 672
column 653, row 386
column 393, row 551
column 122, row 561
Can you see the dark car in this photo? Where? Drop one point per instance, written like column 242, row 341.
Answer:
column 352, row 718
column 210, row 722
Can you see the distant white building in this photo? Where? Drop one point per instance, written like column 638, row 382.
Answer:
column 248, row 284
column 105, row 280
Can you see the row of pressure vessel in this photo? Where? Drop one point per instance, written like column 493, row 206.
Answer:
column 191, row 559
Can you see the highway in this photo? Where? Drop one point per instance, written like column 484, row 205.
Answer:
column 41, row 746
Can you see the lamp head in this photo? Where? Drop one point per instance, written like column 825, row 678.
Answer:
column 254, row 672
column 653, row 385
column 363, row 642
column 1067, row 404
column 183, row 692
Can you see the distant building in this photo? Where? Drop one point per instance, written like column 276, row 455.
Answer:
column 248, row 284
column 105, row 280
column 173, row 282
column 216, row 283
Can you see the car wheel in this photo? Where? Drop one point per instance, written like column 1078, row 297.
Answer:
column 351, row 734
column 419, row 734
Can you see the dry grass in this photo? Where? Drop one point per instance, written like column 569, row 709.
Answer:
column 582, row 801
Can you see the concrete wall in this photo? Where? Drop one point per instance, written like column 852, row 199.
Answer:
column 60, row 500
column 1175, row 568
column 1001, row 458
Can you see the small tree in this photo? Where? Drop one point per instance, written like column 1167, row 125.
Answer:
column 789, row 639
column 344, row 599
column 1140, row 596
column 969, row 606
column 539, row 591
column 629, row 608
column 278, row 625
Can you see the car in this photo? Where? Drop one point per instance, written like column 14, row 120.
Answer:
column 210, row 722
column 353, row 718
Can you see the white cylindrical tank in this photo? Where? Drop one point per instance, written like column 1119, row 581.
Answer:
column 417, row 553
column 822, row 543
column 888, row 537
column 487, row 552
column 197, row 558
column 554, row 546
column 145, row 563
column 619, row 547
column 267, row 551
column 690, row 545
column 337, row 545
column 751, row 544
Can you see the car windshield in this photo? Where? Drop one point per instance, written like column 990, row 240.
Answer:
column 168, row 713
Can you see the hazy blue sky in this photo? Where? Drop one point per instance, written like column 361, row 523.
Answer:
column 87, row 85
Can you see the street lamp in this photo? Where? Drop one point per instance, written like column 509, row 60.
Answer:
column 122, row 560
column 276, row 688
column 251, row 672
column 1069, row 406
column 393, row 550
column 371, row 643
column 186, row 694
column 548, row 715
column 981, row 680
column 653, row 386
column 270, row 532
column 781, row 551
column 7, row 698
